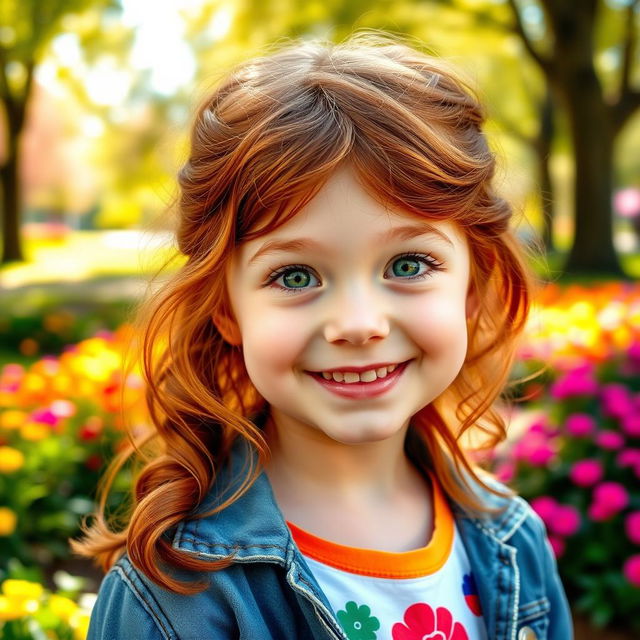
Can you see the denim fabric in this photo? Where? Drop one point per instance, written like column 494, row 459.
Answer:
column 270, row 593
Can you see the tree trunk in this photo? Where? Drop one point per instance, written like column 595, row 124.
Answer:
column 592, row 132
column 543, row 153
column 11, row 243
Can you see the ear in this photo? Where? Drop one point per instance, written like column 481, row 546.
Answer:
column 228, row 328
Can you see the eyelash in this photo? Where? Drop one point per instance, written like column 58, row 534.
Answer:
column 428, row 260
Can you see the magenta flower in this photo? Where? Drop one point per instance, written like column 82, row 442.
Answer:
column 541, row 455
column 558, row 545
column 632, row 526
column 44, row 416
column 610, row 440
column 612, row 495
column 545, row 507
column 598, row 512
column 628, row 457
column 631, row 424
column 631, row 570
column 586, row 473
column 534, row 448
column 616, row 400
column 505, row 471
column 579, row 382
column 633, row 352
column 566, row 520
column 580, row 424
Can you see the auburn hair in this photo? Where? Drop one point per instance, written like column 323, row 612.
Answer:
column 263, row 143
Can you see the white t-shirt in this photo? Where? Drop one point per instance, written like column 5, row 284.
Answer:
column 425, row 594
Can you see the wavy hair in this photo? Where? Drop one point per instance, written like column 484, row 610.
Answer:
column 262, row 145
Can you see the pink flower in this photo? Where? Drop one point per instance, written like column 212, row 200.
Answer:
column 505, row 472
column 628, row 457
column 542, row 426
column 541, row 455
column 616, row 400
column 63, row 408
column 633, row 352
column 44, row 416
column 610, row 440
column 579, row 382
column 421, row 622
column 558, row 545
column 566, row 520
column 632, row 526
column 580, row 424
column 534, row 448
column 12, row 370
column 631, row 424
column 631, row 570
column 545, row 507
column 612, row 495
column 598, row 512
column 586, row 473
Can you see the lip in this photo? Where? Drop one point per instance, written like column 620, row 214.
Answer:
column 361, row 390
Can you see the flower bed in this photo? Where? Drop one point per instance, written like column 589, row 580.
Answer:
column 578, row 459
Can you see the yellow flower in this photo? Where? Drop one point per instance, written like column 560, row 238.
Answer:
column 34, row 431
column 63, row 608
column 21, row 597
column 17, row 589
column 33, row 383
column 12, row 419
column 7, row 610
column 79, row 621
column 10, row 459
column 8, row 521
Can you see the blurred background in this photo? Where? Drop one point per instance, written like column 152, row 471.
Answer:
column 95, row 102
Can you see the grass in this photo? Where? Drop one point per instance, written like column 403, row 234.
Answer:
column 81, row 255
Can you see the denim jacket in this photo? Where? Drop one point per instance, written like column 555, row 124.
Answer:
column 268, row 592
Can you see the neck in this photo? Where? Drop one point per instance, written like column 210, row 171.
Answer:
column 312, row 466
column 383, row 501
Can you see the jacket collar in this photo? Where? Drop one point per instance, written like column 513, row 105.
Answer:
column 252, row 528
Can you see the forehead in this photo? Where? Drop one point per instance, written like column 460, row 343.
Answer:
column 345, row 216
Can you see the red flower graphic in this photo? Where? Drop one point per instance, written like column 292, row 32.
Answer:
column 422, row 623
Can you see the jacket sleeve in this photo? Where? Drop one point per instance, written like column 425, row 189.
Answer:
column 561, row 624
column 123, row 610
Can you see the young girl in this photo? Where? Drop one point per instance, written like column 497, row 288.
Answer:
column 318, row 369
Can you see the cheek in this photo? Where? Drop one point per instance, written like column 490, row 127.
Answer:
column 272, row 343
column 440, row 328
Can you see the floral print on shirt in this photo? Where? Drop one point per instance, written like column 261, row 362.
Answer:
column 357, row 622
column 470, row 591
column 421, row 622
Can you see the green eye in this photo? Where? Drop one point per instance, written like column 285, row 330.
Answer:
column 408, row 267
column 296, row 279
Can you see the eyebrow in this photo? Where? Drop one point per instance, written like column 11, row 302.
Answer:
column 406, row 232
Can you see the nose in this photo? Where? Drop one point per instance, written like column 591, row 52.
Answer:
column 356, row 317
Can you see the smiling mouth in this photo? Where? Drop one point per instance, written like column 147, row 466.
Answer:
column 354, row 377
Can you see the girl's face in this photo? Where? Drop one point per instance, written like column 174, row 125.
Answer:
column 356, row 286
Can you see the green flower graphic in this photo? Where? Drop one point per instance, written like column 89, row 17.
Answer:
column 357, row 622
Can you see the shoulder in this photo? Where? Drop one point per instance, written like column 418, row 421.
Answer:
column 509, row 517
column 126, row 607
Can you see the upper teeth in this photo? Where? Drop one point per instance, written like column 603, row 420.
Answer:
column 365, row 376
